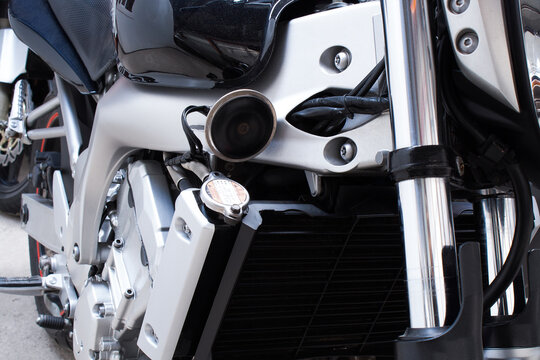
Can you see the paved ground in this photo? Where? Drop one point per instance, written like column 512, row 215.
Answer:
column 20, row 337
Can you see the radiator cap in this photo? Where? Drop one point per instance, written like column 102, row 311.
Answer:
column 225, row 196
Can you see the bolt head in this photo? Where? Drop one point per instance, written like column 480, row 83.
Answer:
column 118, row 243
column 76, row 252
column 467, row 42
column 458, row 6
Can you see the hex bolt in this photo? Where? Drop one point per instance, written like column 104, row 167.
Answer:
column 76, row 252
column 458, row 6
column 236, row 209
column 342, row 60
column 129, row 293
column 118, row 243
column 467, row 42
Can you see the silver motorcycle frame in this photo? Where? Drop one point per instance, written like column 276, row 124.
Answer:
column 131, row 117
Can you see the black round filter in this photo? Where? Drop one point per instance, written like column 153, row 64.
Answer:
column 240, row 125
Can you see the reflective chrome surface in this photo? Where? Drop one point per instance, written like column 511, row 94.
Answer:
column 428, row 233
column 425, row 206
column 530, row 15
column 513, row 353
column 499, row 222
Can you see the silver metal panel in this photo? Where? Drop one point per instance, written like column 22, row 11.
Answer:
column 13, row 53
column 154, row 208
column 131, row 116
column 489, row 66
column 60, row 204
column 183, row 258
column 40, row 224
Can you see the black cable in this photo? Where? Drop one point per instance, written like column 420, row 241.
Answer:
column 522, row 237
column 367, row 83
column 195, row 145
column 364, row 105
column 522, row 191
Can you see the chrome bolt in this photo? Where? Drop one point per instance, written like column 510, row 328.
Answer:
column 76, row 252
column 347, row 152
column 101, row 310
column 129, row 293
column 236, row 209
column 458, row 6
column 467, row 42
column 118, row 243
column 342, row 60
column 186, row 230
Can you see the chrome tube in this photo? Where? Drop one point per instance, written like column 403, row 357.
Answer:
column 71, row 122
column 425, row 205
column 42, row 110
column 499, row 223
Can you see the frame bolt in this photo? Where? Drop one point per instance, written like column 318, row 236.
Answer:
column 76, row 252
column 118, row 243
column 458, row 6
column 467, row 42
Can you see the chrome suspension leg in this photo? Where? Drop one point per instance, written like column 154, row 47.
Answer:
column 425, row 205
column 499, row 222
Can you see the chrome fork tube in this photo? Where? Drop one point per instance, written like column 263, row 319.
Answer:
column 425, row 205
column 498, row 214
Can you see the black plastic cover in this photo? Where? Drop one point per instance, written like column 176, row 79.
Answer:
column 196, row 43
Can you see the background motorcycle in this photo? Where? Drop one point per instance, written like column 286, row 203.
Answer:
column 315, row 268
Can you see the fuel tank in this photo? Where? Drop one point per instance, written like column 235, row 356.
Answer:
column 195, row 43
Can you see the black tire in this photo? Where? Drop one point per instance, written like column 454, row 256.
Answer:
column 60, row 336
column 14, row 182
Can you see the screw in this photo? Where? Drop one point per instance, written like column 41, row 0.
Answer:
column 347, row 152
column 118, row 243
column 467, row 42
column 186, row 230
column 458, row 6
column 76, row 252
column 236, row 209
column 342, row 60
column 101, row 310
column 52, row 281
column 129, row 293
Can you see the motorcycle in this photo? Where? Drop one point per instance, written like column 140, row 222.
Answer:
column 286, row 179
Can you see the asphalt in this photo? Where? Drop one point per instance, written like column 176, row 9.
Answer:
column 20, row 337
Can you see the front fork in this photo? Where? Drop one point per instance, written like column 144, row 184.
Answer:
column 424, row 200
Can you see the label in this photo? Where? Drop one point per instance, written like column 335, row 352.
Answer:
column 226, row 192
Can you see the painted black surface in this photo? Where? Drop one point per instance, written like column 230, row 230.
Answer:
column 196, row 43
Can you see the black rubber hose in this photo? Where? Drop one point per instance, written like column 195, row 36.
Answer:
column 522, row 237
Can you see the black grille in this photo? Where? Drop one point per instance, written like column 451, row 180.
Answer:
column 319, row 287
